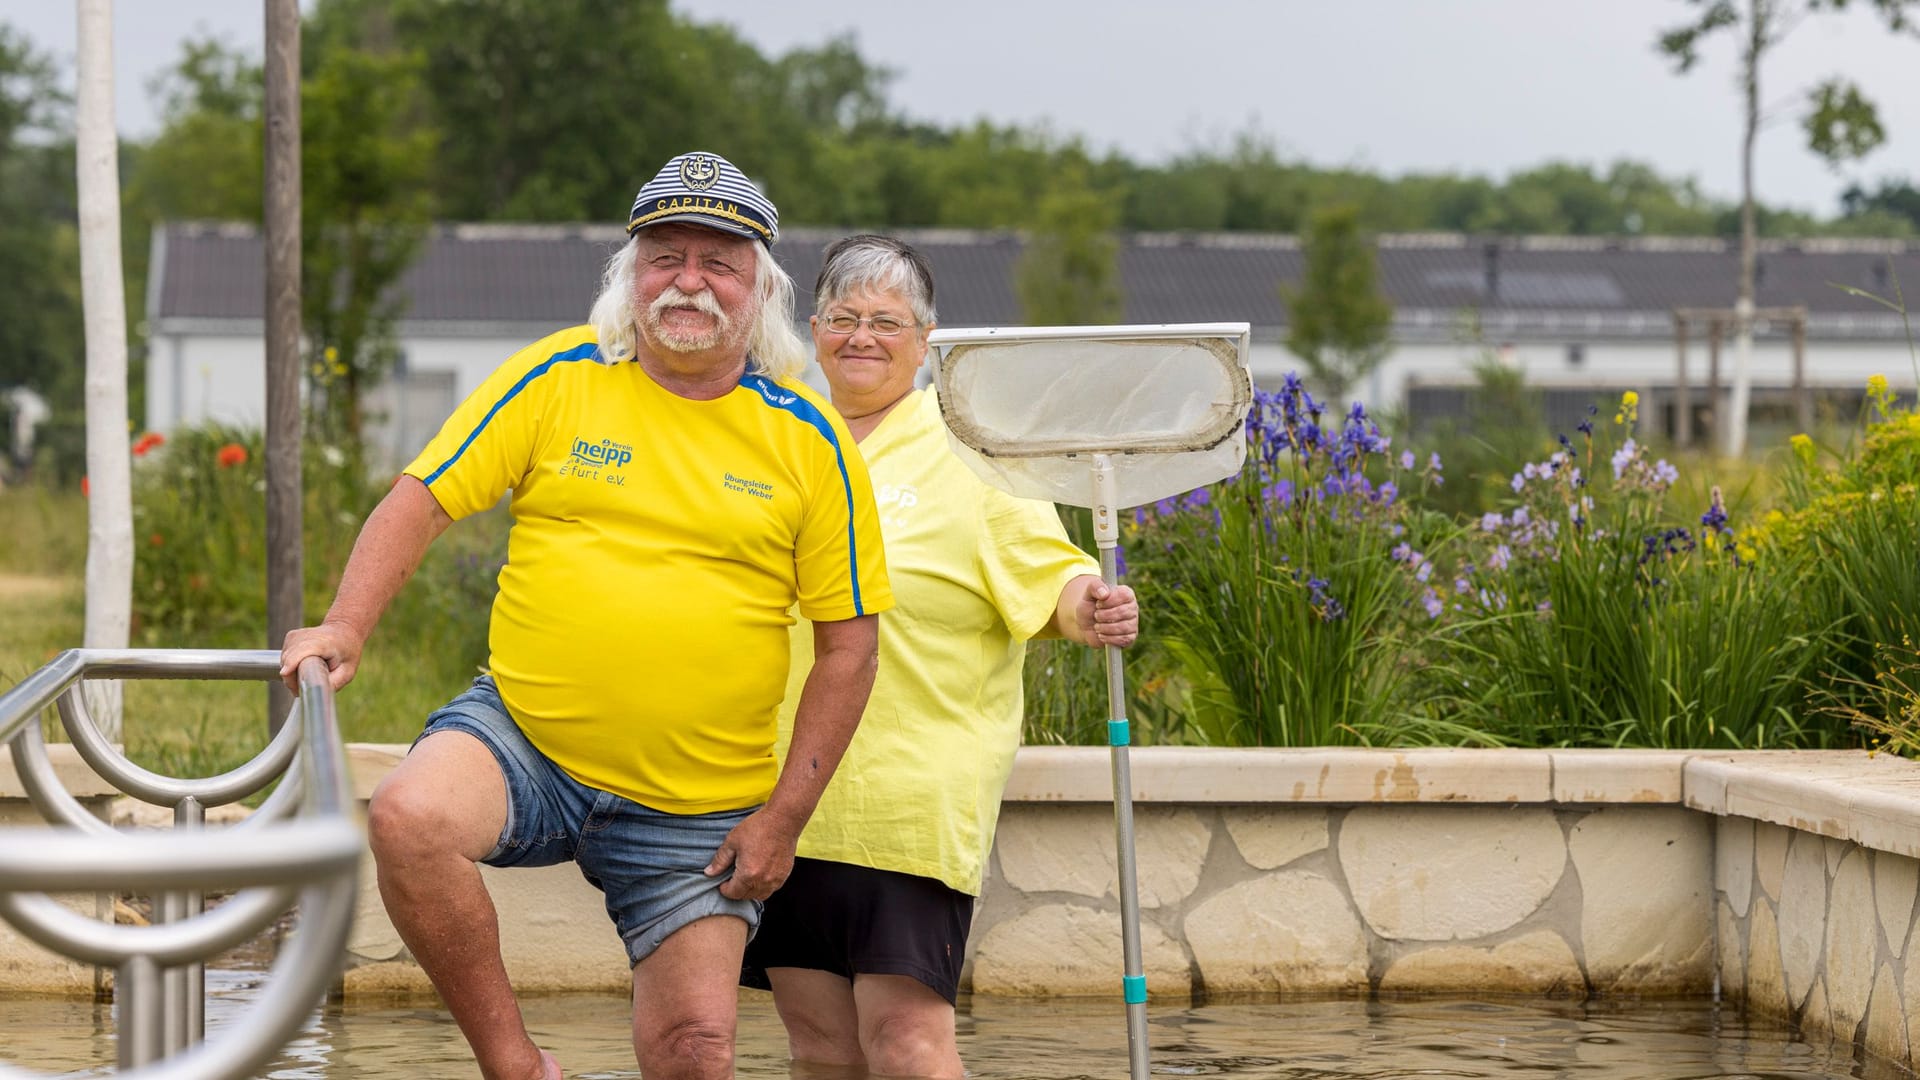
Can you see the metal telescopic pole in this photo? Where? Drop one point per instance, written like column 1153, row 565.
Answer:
column 1106, row 534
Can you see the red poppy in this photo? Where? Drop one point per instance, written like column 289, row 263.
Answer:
column 156, row 540
column 147, row 442
column 230, row 455
column 86, row 489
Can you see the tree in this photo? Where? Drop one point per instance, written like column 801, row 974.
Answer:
column 1068, row 275
column 206, row 161
column 366, row 160
column 1840, row 124
column 552, row 110
column 109, row 463
column 365, row 208
column 1337, row 321
column 40, row 343
column 1896, row 200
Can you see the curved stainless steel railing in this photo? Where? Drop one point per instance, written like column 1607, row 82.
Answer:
column 301, row 849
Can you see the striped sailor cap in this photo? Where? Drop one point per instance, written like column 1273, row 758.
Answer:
column 705, row 189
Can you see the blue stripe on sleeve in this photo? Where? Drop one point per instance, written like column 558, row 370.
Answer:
column 790, row 402
column 578, row 352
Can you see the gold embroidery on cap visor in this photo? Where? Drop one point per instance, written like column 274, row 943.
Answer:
column 762, row 231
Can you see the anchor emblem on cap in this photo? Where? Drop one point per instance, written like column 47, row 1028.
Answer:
column 699, row 172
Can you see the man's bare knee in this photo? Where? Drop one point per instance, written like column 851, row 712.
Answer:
column 691, row 1048
column 822, row 1044
column 447, row 798
column 403, row 819
column 904, row 1044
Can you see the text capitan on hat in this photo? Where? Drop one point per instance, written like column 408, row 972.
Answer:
column 702, row 188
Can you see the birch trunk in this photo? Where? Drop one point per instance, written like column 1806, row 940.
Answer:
column 1760, row 19
column 103, row 301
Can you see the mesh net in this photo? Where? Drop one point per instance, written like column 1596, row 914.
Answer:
column 1027, row 409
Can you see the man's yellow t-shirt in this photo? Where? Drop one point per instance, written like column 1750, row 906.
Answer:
column 976, row 572
column 659, row 544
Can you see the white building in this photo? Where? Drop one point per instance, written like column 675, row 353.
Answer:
column 1583, row 318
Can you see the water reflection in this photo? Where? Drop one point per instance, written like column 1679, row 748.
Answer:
column 1049, row 1040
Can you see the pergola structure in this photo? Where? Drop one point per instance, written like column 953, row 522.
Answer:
column 1716, row 322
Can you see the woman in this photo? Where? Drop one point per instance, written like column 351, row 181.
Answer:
column 863, row 944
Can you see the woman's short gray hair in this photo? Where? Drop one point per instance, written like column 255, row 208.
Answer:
column 774, row 348
column 871, row 263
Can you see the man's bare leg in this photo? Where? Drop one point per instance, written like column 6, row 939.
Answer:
column 685, row 1004
column 906, row 1028
column 817, row 1008
column 430, row 822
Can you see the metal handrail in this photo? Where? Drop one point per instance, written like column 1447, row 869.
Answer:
column 301, row 849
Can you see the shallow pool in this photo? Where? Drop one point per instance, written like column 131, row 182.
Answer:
column 1005, row 1040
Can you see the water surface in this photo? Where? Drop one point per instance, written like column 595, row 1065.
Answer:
column 1051, row 1040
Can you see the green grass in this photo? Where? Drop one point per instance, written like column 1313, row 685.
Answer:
column 430, row 644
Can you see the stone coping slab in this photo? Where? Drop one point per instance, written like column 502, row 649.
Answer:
column 1870, row 799
column 1183, row 774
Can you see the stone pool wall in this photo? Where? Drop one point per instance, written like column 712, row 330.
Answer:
column 25, row 966
column 1787, row 880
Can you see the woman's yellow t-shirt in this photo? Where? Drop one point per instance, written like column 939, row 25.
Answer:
column 975, row 573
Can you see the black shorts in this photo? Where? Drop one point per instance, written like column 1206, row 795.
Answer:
column 855, row 920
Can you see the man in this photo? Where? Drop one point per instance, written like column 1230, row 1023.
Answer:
column 675, row 492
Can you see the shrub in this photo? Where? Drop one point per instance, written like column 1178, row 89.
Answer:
column 1588, row 615
column 1276, row 596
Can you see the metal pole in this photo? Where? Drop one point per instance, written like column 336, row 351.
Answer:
column 136, row 994
column 282, row 194
column 1106, row 533
column 171, row 907
column 1716, row 331
column 191, row 1021
column 1682, row 393
column 1802, row 396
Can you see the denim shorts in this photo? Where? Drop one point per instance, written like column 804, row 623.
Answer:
column 649, row 865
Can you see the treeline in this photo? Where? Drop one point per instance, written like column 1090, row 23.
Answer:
column 416, row 111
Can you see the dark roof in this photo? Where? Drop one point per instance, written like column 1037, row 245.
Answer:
column 547, row 274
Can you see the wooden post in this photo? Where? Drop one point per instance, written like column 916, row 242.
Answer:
column 1716, row 331
column 284, row 422
column 1682, row 393
column 1802, row 396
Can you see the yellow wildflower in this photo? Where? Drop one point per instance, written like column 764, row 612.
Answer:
column 1775, row 517
column 1629, row 409
column 1802, row 448
column 1876, row 385
column 1630, row 399
column 1746, row 552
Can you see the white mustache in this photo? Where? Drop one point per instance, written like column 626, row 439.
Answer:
column 672, row 297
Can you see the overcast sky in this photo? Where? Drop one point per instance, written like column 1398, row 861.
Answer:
column 1472, row 86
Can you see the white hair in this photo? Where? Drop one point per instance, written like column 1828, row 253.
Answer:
column 773, row 347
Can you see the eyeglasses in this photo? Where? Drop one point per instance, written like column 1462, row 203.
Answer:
column 880, row 325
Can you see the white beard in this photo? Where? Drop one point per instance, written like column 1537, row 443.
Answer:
column 685, row 341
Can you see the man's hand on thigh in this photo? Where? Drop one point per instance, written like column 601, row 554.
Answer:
column 759, row 850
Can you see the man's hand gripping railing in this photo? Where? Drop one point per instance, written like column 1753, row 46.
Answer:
column 301, row 847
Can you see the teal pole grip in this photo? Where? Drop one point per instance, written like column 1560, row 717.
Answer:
column 1135, row 987
column 1117, row 733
